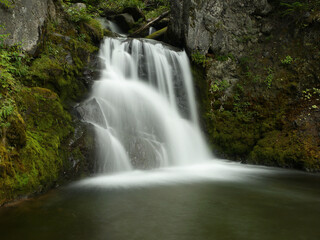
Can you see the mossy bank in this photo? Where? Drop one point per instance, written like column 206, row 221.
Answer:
column 262, row 101
column 41, row 144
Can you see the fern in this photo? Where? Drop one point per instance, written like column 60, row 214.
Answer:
column 293, row 8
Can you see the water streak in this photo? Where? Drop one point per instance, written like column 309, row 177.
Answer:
column 143, row 108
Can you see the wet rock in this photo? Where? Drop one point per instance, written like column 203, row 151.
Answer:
column 91, row 71
column 125, row 21
column 82, row 151
column 90, row 111
column 134, row 12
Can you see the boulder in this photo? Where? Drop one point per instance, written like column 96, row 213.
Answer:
column 134, row 12
column 218, row 25
column 24, row 21
column 125, row 21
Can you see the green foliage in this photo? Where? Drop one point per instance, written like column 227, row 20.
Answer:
column 34, row 126
column 224, row 58
column 150, row 8
column 218, row 86
column 308, row 94
column 298, row 9
column 156, row 12
column 53, row 69
column 156, row 3
column 154, row 8
column 3, row 36
column 119, row 5
column 269, row 77
column 13, row 65
column 78, row 15
column 260, row 119
column 6, row 3
column 39, row 162
column 92, row 2
column 199, row 59
column 293, row 8
column 13, row 62
column 287, row 60
column 6, row 109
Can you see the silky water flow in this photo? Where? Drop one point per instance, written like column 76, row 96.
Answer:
column 143, row 108
column 144, row 115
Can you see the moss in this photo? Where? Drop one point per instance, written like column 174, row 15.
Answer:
column 157, row 34
column 42, row 110
column 38, row 164
column 269, row 116
column 277, row 148
column 35, row 148
column 16, row 132
column 231, row 135
column 62, row 58
column 94, row 29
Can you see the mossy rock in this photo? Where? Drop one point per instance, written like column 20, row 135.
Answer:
column 16, row 132
column 39, row 163
column 94, row 29
column 42, row 110
column 283, row 150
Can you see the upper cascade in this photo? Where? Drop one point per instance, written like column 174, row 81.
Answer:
column 143, row 108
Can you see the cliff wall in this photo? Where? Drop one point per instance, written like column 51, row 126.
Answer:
column 257, row 65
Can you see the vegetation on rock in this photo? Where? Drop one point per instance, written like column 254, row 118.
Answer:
column 270, row 113
column 36, row 92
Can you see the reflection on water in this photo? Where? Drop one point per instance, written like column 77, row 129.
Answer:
column 218, row 200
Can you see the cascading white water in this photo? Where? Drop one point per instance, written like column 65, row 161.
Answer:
column 137, row 108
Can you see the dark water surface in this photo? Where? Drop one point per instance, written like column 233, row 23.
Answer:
column 219, row 200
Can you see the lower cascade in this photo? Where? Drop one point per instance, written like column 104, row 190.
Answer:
column 143, row 108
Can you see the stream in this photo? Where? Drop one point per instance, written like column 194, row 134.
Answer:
column 211, row 200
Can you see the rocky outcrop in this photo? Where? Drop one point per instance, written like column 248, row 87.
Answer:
column 215, row 25
column 257, row 77
column 23, row 21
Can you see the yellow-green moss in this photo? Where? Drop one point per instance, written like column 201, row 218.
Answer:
column 34, row 124
column 94, row 29
column 157, row 34
column 38, row 164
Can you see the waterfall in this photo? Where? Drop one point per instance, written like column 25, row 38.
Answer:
column 143, row 108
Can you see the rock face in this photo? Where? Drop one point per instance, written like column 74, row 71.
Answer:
column 23, row 22
column 257, row 77
column 215, row 25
